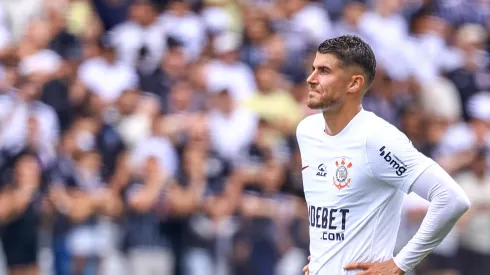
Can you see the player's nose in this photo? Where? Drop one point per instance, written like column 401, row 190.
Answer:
column 312, row 79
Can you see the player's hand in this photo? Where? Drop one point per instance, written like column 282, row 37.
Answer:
column 306, row 269
column 382, row 268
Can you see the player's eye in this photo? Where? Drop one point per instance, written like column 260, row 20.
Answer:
column 324, row 71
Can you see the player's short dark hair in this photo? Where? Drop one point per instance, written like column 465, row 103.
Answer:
column 351, row 50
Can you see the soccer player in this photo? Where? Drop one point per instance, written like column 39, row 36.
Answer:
column 357, row 169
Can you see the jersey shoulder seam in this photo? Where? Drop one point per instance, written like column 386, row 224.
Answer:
column 366, row 137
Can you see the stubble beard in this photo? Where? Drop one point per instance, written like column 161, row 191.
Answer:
column 314, row 105
column 330, row 105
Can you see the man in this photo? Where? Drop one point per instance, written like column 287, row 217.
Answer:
column 356, row 169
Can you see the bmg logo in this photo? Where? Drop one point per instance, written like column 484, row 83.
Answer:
column 395, row 162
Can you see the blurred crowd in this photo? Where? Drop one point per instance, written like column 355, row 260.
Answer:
column 158, row 137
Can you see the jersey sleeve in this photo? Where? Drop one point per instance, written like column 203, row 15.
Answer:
column 300, row 138
column 392, row 158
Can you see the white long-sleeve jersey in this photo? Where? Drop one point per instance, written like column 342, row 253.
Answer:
column 354, row 184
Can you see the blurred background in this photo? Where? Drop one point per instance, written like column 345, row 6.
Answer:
column 158, row 137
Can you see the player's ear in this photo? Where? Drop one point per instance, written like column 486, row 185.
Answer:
column 356, row 83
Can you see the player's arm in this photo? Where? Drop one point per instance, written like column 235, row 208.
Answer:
column 448, row 203
column 143, row 198
column 393, row 160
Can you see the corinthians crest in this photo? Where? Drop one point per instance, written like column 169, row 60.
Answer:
column 341, row 178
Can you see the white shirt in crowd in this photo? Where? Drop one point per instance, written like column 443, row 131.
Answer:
column 5, row 36
column 216, row 19
column 475, row 235
column 43, row 61
column 18, row 13
column 387, row 44
column 107, row 80
column 402, row 55
column 309, row 18
column 129, row 37
column 238, row 78
column 354, row 185
column 160, row 148
column 189, row 29
column 14, row 116
column 460, row 137
column 231, row 134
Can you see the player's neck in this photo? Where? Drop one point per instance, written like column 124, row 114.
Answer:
column 336, row 121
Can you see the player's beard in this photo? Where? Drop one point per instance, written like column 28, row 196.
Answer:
column 323, row 104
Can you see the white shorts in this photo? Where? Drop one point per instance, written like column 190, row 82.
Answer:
column 86, row 241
